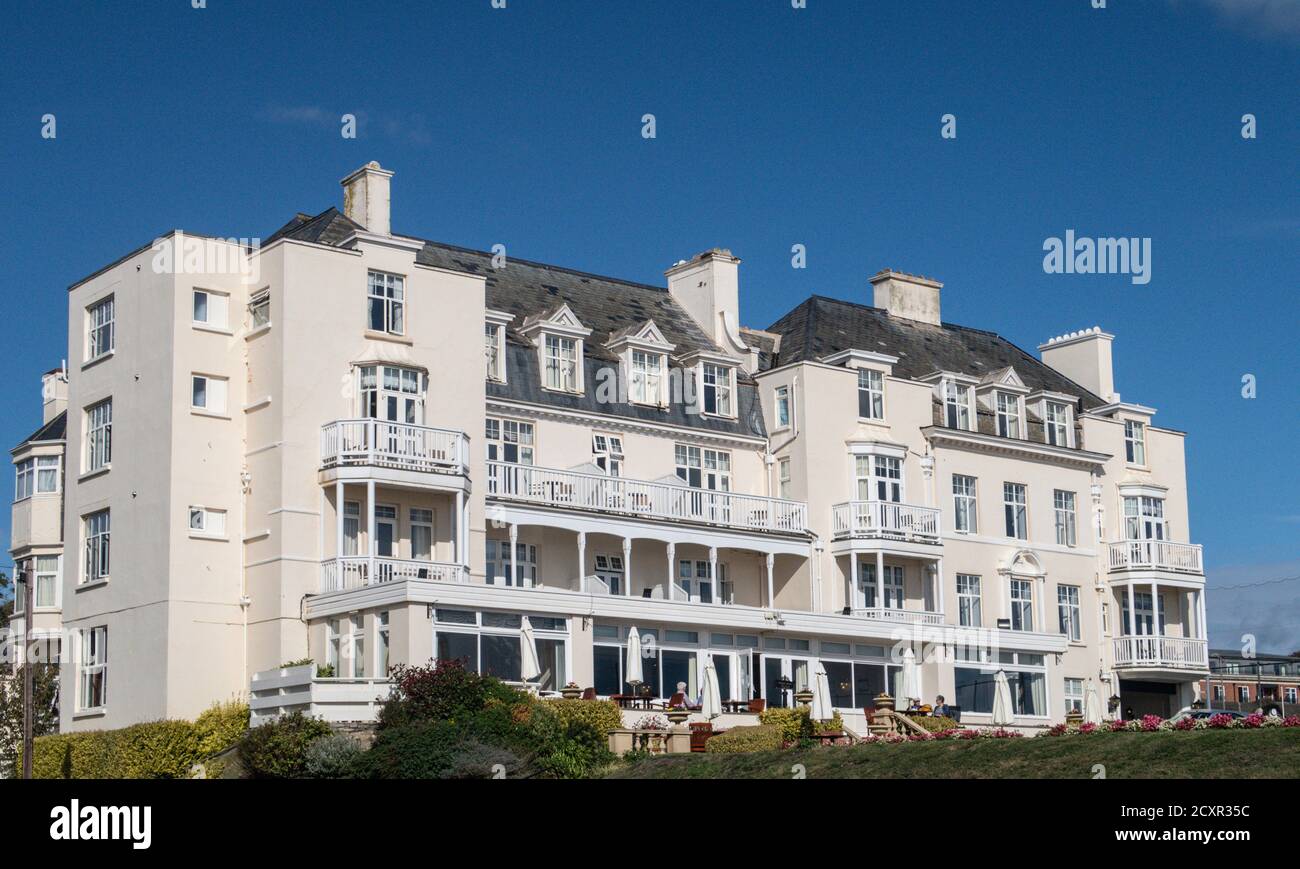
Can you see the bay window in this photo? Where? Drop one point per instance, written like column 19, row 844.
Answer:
column 45, row 581
column 1144, row 518
column 391, row 393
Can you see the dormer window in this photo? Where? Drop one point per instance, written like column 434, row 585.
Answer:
column 1056, row 423
column 1135, row 442
column 717, row 382
column 647, row 381
column 1008, row 408
column 561, row 363
column 493, row 339
column 956, row 405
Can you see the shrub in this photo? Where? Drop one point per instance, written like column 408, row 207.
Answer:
column 474, row 759
column 741, row 740
column 418, row 750
column 301, row 662
column 333, row 756
column 444, row 690
column 278, row 749
column 602, row 714
column 220, row 726
column 153, row 749
column 936, row 723
column 796, row 724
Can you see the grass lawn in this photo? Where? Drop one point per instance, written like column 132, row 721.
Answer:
column 1271, row 753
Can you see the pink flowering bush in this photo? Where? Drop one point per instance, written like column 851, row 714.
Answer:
column 1220, row 720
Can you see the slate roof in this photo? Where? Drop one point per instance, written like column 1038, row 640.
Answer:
column 821, row 326
column 54, row 430
column 604, row 305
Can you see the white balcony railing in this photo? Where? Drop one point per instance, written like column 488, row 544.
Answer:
column 576, row 490
column 885, row 520
column 1156, row 555
column 377, row 442
column 900, row 616
column 1178, row 653
column 356, row 571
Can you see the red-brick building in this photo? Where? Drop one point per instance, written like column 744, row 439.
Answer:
column 1244, row 684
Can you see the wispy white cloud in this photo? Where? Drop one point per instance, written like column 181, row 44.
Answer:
column 1277, row 19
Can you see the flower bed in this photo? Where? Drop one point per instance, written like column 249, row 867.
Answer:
column 1156, row 724
column 954, row 734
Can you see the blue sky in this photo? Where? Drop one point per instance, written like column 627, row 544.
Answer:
column 775, row 126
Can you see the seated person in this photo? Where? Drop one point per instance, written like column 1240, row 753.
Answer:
column 941, row 708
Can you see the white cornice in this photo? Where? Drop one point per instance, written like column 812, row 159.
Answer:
column 978, row 442
column 1126, row 406
column 860, row 356
column 395, row 241
column 511, row 406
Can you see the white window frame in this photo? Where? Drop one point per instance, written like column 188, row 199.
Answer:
column 647, row 379
column 1058, row 426
column 965, row 504
column 99, row 435
column 94, row 662
column 383, row 644
column 561, row 363
column 711, row 468
column 216, row 394
column 334, row 645
column 1020, row 596
column 957, row 412
column 1135, row 442
column 207, row 522
column 97, row 546
column 259, row 310
column 494, row 348
column 388, row 291
column 1064, row 507
column 1015, row 512
column 607, row 453
column 1243, row 693
column 101, row 328
column 969, row 601
column 717, row 389
column 781, row 408
column 1072, row 691
column 49, row 577
column 1069, row 613
column 1144, row 518
column 24, row 479
column 1010, row 416
column 216, row 309
column 423, row 518
column 783, row 479
column 871, row 387
column 503, row 435
column 357, row 645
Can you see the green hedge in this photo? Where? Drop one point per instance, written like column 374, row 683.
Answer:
column 221, row 726
column 601, row 714
column 936, row 723
column 153, row 749
column 278, row 749
column 796, row 724
column 740, row 740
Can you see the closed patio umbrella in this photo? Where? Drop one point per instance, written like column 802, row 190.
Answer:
column 529, row 667
column 710, row 690
column 911, row 679
column 822, row 710
column 1091, row 704
column 1001, row 700
column 633, row 673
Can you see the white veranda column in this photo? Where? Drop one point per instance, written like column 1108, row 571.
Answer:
column 938, row 584
column 582, row 561
column 851, row 594
column 512, row 578
column 338, row 516
column 627, row 563
column 372, row 542
column 880, row 579
column 771, row 593
column 713, row 574
column 672, row 569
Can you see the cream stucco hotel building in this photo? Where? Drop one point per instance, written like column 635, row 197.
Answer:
column 304, row 456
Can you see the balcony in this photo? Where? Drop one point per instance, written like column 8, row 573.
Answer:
column 899, row 616
column 1160, row 653
column 298, row 689
column 575, row 490
column 885, row 520
column 359, row 571
column 379, row 443
column 1156, row 555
